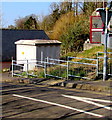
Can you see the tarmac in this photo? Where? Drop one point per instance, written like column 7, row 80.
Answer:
column 89, row 85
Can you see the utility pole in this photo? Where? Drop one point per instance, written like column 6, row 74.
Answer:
column 105, row 48
column 105, row 16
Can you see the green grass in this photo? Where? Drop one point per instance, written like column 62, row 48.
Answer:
column 92, row 53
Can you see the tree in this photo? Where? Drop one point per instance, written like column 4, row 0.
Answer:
column 57, row 10
column 47, row 23
column 89, row 7
column 11, row 27
column 65, row 7
column 19, row 23
column 28, row 22
column 2, row 21
column 75, row 36
column 62, row 25
column 31, row 23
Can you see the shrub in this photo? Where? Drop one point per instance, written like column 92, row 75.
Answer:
column 75, row 36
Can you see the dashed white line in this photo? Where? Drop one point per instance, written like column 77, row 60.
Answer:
column 60, row 105
column 87, row 101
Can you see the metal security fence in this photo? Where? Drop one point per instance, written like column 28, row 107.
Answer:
column 50, row 67
column 84, row 68
column 17, row 69
column 100, row 57
column 56, row 68
column 24, row 68
column 73, row 67
column 36, row 68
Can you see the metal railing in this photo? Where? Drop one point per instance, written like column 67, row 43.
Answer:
column 16, row 68
column 56, row 68
column 100, row 57
column 24, row 68
column 84, row 68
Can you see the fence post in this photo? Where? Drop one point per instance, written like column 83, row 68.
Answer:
column 67, row 68
column 45, row 68
column 12, row 68
column 97, row 68
column 27, row 67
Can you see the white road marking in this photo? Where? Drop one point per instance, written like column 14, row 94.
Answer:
column 87, row 101
column 98, row 100
column 60, row 105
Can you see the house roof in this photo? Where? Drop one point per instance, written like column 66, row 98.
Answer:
column 14, row 35
column 37, row 42
column 10, row 36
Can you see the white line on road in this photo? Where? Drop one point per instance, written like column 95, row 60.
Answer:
column 98, row 100
column 60, row 105
column 87, row 101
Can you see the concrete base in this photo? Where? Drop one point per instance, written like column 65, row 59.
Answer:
column 90, row 45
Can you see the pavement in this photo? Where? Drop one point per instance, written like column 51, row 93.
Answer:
column 97, row 85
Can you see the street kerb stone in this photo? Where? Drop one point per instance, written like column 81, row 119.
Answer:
column 84, row 87
column 71, row 85
column 88, row 87
column 92, row 88
column 63, row 84
column 79, row 86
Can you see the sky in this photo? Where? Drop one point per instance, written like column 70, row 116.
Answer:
column 14, row 10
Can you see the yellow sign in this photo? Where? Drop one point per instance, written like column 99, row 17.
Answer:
column 22, row 53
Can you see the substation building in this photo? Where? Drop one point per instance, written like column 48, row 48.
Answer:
column 37, row 49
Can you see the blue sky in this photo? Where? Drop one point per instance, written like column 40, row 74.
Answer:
column 14, row 10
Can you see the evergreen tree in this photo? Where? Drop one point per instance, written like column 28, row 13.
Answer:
column 31, row 23
column 28, row 22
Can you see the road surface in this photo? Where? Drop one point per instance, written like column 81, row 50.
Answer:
column 29, row 101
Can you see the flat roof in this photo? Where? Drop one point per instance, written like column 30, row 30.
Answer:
column 37, row 42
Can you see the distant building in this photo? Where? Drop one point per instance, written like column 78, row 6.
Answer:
column 9, row 37
column 37, row 50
